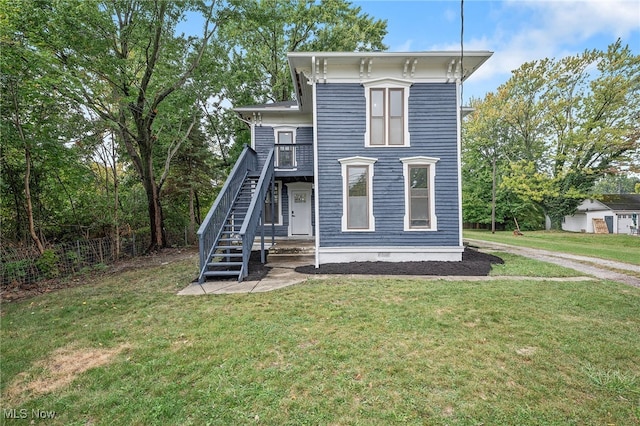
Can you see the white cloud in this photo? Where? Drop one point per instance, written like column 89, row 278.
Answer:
column 529, row 30
column 404, row 47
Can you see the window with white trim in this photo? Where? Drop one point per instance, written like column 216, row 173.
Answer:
column 387, row 113
column 273, row 215
column 357, row 194
column 419, row 193
column 285, row 149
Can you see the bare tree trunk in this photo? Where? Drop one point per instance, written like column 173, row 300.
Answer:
column 27, row 174
column 156, row 223
column 29, row 205
column 192, row 216
column 116, row 201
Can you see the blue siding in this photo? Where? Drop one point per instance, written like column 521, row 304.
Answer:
column 341, row 126
column 264, row 140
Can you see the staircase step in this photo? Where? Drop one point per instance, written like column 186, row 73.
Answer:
column 223, row 264
column 221, row 273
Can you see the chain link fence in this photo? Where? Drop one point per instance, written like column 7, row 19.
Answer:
column 24, row 265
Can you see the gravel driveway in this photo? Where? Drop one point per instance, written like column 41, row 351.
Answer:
column 599, row 268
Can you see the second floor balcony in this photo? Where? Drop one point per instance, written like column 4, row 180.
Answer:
column 295, row 159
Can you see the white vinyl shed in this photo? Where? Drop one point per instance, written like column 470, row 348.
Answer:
column 617, row 210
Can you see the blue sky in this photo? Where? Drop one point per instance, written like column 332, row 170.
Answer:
column 516, row 31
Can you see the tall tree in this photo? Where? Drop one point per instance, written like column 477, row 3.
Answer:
column 263, row 32
column 568, row 122
column 124, row 61
column 35, row 124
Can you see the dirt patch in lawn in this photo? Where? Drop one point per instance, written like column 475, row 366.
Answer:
column 58, row 370
column 474, row 263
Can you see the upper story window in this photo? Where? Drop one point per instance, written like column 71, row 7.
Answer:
column 387, row 113
column 285, row 154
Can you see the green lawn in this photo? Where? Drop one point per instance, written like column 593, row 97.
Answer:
column 618, row 247
column 339, row 351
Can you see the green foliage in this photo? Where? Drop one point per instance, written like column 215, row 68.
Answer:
column 557, row 127
column 14, row 270
column 47, row 263
column 616, row 184
column 259, row 35
column 123, row 122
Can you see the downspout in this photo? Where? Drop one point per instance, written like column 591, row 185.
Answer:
column 315, row 161
column 459, row 155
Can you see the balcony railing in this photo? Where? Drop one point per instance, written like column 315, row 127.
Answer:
column 294, row 159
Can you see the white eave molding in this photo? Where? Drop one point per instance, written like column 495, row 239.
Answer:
column 435, row 66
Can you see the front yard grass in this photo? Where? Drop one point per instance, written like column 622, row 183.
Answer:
column 618, row 247
column 336, row 351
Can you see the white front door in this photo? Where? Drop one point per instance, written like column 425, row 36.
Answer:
column 300, row 211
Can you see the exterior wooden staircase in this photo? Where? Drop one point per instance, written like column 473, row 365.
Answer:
column 228, row 252
column 227, row 234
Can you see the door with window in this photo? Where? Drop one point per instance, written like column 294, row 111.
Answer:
column 300, row 211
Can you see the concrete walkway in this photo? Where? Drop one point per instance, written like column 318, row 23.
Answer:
column 599, row 268
column 282, row 274
column 299, row 253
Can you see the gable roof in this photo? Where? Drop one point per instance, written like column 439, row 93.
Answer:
column 622, row 201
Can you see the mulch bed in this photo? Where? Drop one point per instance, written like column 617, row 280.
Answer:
column 474, row 263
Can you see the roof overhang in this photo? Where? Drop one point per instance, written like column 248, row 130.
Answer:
column 342, row 67
column 308, row 68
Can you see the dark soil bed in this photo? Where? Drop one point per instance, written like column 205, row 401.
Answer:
column 474, row 263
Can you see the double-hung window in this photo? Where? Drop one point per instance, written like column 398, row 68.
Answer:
column 387, row 113
column 285, row 153
column 357, row 194
column 419, row 194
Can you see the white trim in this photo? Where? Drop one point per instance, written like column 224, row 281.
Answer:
column 253, row 135
column 357, row 161
column 387, row 83
column 308, row 188
column 389, row 254
column 290, row 125
column 315, row 187
column 433, row 218
column 459, row 156
column 285, row 129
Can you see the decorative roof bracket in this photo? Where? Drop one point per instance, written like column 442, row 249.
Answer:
column 324, row 70
column 368, row 62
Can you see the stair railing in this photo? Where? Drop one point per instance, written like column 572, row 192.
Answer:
column 213, row 224
column 254, row 213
